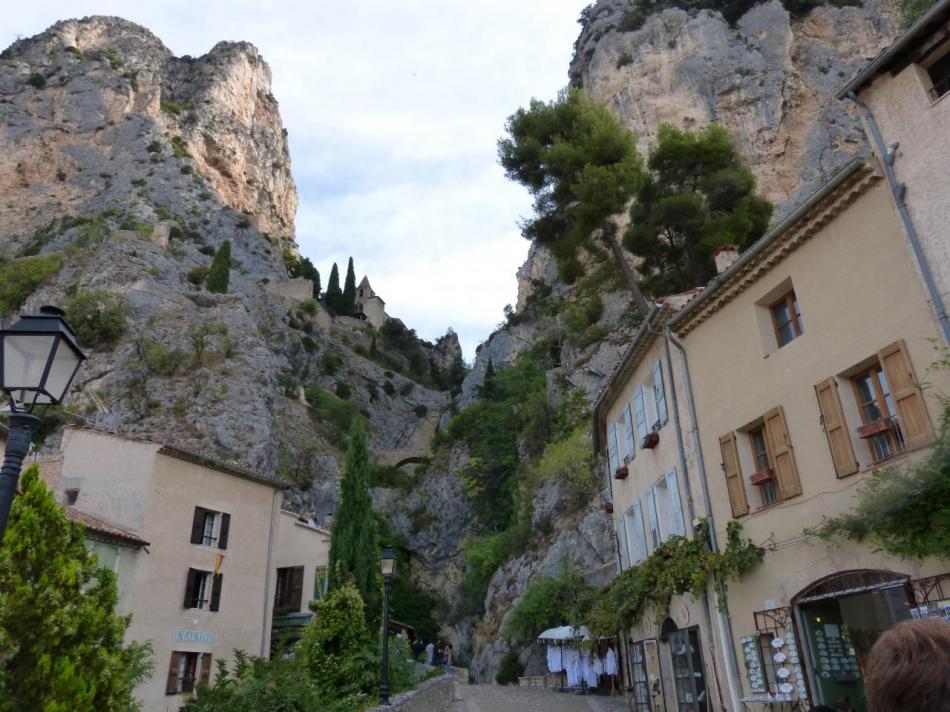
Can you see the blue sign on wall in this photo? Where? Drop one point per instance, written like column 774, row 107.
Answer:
column 193, row 636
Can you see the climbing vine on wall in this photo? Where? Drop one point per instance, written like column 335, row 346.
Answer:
column 680, row 565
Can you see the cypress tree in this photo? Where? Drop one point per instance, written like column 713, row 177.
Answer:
column 220, row 270
column 316, row 283
column 348, row 305
column 61, row 642
column 353, row 552
column 334, row 296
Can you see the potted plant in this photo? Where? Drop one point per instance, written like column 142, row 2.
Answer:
column 650, row 440
column 762, row 476
column 608, row 506
column 621, row 473
column 875, row 427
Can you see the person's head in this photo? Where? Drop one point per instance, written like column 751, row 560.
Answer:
column 908, row 669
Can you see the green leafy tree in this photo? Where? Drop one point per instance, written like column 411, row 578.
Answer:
column 550, row 601
column 583, row 169
column 100, row 318
column 220, row 271
column 334, row 295
column 699, row 195
column 61, row 642
column 353, row 552
column 19, row 278
column 303, row 267
column 349, row 290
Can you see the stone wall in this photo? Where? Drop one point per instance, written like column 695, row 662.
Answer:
column 433, row 695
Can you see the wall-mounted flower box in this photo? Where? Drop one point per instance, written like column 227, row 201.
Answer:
column 621, row 473
column 650, row 440
column 762, row 476
column 609, row 507
column 881, row 425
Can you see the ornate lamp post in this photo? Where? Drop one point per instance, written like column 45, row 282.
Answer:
column 39, row 358
column 387, row 565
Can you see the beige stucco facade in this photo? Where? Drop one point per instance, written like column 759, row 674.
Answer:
column 153, row 491
column 300, row 543
column 908, row 114
column 639, row 487
column 849, row 266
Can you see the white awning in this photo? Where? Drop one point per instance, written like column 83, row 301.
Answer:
column 564, row 633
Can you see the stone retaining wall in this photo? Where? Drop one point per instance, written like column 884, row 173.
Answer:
column 433, row 695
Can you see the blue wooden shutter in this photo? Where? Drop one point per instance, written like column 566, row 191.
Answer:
column 641, row 413
column 612, row 460
column 659, row 395
column 676, row 509
column 639, row 536
column 628, row 423
column 651, row 517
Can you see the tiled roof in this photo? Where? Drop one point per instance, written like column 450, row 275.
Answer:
column 104, row 528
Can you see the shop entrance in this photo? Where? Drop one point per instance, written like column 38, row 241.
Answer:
column 840, row 618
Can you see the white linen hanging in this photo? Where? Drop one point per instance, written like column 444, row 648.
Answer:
column 610, row 666
column 554, row 658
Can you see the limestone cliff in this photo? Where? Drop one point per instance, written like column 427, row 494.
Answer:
column 134, row 165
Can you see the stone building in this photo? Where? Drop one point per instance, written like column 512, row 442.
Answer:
column 369, row 305
column 203, row 553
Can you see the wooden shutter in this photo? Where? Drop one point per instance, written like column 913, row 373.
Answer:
column 171, row 683
column 908, row 398
column 216, row 591
column 204, row 676
column 295, row 588
column 660, row 394
column 836, row 428
column 786, row 473
column 730, row 467
column 190, row 586
column 225, row 528
column 198, row 526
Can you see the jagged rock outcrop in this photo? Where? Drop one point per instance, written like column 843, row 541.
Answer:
column 135, row 166
column 770, row 80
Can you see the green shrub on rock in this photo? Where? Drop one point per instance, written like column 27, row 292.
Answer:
column 100, row 318
column 19, row 278
column 220, row 271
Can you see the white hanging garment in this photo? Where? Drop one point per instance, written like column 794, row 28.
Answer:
column 610, row 666
column 598, row 666
column 554, row 658
column 573, row 668
column 590, row 677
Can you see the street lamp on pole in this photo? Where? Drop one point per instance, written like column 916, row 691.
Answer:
column 387, row 565
column 39, row 358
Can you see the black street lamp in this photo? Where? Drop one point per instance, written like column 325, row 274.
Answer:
column 39, row 358
column 387, row 565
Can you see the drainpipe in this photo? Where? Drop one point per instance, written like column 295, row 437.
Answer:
column 725, row 619
column 265, row 617
column 707, row 609
column 898, row 191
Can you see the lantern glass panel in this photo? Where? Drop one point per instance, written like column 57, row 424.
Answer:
column 387, row 563
column 24, row 359
column 65, row 363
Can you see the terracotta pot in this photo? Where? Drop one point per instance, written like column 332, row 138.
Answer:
column 609, row 507
column 650, row 440
column 762, row 476
column 621, row 473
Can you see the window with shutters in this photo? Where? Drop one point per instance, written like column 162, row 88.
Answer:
column 836, row 428
column 210, row 528
column 187, row 669
column 613, row 460
column 288, row 596
column 649, row 403
column 203, row 590
column 664, row 512
column 628, row 433
column 890, row 405
column 634, row 535
column 764, row 477
column 733, row 473
column 937, row 66
column 765, row 446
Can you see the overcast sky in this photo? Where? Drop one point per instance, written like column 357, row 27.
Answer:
column 393, row 108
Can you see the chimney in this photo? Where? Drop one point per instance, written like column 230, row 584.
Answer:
column 725, row 256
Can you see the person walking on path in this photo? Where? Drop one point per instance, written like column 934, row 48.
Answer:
column 449, row 654
column 430, row 653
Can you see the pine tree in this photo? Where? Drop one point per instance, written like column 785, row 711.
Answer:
column 349, row 290
column 334, row 296
column 316, row 283
column 353, row 551
column 61, row 642
column 583, row 168
column 220, row 271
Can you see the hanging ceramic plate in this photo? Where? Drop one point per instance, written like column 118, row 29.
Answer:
column 779, row 657
column 783, row 672
column 786, row 688
column 777, row 642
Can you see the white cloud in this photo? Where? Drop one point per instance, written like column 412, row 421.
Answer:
column 393, row 110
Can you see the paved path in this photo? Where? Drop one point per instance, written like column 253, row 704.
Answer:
column 495, row 698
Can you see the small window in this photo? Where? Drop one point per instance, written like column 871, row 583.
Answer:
column 185, row 670
column 664, row 512
column 289, row 594
column 881, row 429
column 634, row 535
column 203, row 590
column 764, row 477
column 939, row 73
column 786, row 318
column 71, row 496
column 210, row 528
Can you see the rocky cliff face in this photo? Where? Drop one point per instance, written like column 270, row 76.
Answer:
column 770, row 79
column 135, row 165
